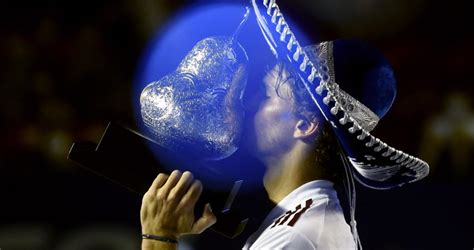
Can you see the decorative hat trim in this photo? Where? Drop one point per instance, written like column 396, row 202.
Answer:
column 361, row 113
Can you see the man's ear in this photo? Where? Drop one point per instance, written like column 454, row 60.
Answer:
column 305, row 129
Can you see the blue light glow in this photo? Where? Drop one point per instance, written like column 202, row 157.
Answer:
column 177, row 37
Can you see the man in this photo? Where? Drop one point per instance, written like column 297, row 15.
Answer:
column 284, row 136
column 304, row 153
column 300, row 153
column 288, row 134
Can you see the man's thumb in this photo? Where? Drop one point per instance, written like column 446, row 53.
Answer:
column 207, row 219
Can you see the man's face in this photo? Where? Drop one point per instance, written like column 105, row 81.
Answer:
column 270, row 120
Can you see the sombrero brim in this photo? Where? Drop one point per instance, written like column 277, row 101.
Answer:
column 377, row 165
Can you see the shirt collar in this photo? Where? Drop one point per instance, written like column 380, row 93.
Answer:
column 313, row 189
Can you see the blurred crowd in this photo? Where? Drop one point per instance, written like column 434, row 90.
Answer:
column 68, row 68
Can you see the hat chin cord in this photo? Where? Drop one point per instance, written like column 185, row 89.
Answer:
column 349, row 186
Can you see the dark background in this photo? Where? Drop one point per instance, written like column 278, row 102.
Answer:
column 67, row 67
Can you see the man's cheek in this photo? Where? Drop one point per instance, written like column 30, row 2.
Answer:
column 286, row 117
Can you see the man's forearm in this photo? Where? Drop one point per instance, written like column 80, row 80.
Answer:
column 158, row 245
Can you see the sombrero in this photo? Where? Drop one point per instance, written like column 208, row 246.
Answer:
column 353, row 86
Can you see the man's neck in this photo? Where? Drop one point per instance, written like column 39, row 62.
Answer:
column 287, row 172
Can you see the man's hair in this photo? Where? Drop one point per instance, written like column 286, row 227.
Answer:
column 326, row 147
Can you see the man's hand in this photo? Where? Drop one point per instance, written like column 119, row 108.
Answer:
column 168, row 206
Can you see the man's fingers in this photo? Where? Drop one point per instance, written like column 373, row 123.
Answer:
column 170, row 183
column 207, row 219
column 157, row 183
column 192, row 196
column 182, row 186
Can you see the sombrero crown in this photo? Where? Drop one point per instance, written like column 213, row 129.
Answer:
column 353, row 86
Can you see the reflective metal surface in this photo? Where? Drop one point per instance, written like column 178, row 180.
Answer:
column 197, row 109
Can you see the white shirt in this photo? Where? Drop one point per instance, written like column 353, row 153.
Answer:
column 310, row 217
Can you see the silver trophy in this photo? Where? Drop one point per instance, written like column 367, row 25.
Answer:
column 197, row 109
